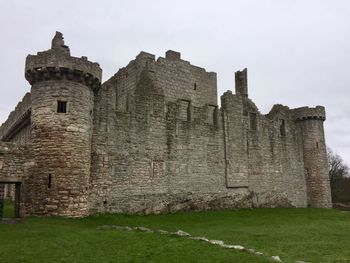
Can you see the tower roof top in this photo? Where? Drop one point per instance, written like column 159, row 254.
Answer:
column 58, row 43
column 57, row 62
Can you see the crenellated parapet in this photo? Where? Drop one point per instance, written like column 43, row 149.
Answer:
column 57, row 64
column 241, row 82
column 17, row 120
column 305, row 113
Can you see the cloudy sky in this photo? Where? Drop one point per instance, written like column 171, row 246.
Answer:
column 297, row 52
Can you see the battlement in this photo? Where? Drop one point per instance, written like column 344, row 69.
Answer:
column 194, row 84
column 173, row 55
column 241, row 82
column 57, row 63
column 145, row 55
column 305, row 113
column 17, row 120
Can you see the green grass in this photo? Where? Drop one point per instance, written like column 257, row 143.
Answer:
column 9, row 209
column 313, row 235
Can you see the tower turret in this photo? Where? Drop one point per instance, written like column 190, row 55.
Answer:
column 241, row 82
column 310, row 123
column 62, row 96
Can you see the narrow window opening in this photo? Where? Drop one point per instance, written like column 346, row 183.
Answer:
column 185, row 110
column 317, row 145
column 282, row 127
column 127, row 102
column 253, row 121
column 195, row 86
column 50, row 181
column 62, row 106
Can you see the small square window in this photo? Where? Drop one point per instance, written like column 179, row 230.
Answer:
column 62, row 106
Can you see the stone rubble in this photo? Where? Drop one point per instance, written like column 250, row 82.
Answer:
column 181, row 233
column 163, row 232
column 276, row 258
column 200, row 238
column 144, row 229
column 216, row 242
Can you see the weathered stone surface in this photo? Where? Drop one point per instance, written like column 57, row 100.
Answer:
column 200, row 238
column 276, row 259
column 216, row 242
column 152, row 139
column 144, row 229
column 163, row 232
column 182, row 233
column 238, row 247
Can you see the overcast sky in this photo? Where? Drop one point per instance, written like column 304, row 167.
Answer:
column 297, row 52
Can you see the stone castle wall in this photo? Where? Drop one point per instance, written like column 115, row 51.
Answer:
column 260, row 156
column 62, row 97
column 17, row 127
column 159, row 152
column 153, row 139
column 14, row 136
column 136, row 149
column 60, row 176
column 15, row 161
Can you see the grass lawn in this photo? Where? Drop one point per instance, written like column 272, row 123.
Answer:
column 9, row 209
column 313, row 235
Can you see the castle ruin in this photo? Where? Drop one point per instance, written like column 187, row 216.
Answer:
column 153, row 139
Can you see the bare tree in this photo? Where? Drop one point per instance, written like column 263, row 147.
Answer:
column 337, row 167
column 339, row 174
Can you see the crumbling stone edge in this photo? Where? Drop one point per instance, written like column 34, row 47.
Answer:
column 184, row 234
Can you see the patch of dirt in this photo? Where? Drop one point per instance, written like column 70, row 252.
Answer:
column 341, row 206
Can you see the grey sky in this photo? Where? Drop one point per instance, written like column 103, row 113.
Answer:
column 297, row 52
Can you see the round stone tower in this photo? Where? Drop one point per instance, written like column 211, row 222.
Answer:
column 310, row 123
column 62, row 95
